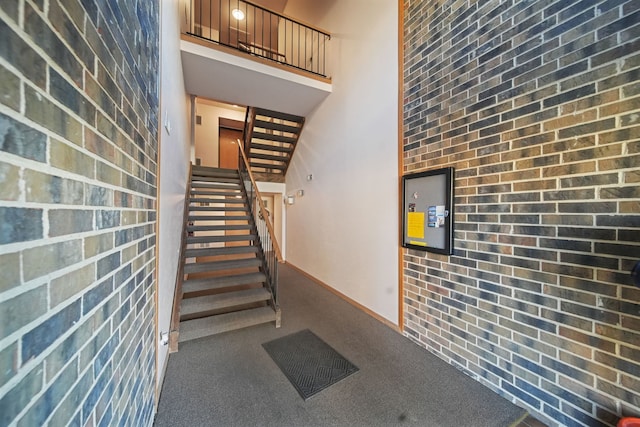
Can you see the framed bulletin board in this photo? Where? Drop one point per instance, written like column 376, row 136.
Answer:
column 427, row 211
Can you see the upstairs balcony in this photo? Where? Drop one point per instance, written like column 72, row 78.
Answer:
column 242, row 53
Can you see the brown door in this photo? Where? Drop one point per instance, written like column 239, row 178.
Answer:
column 228, row 147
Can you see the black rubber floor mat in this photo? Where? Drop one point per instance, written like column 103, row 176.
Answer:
column 309, row 363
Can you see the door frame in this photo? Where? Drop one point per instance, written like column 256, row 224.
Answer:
column 224, row 123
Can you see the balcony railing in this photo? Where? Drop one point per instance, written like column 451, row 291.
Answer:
column 258, row 31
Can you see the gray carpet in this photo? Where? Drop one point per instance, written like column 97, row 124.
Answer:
column 229, row 380
column 310, row 364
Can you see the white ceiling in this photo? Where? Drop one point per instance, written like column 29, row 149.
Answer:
column 221, row 76
column 275, row 5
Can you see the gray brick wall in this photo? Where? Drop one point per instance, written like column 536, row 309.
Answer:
column 78, row 152
column 536, row 105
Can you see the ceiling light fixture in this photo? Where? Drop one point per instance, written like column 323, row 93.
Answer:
column 238, row 14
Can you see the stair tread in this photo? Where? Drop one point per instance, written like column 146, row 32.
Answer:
column 222, row 238
column 225, row 250
column 261, row 156
column 273, row 137
column 267, row 165
column 202, row 192
column 201, row 267
column 229, row 180
column 264, row 124
column 267, row 147
column 201, row 170
column 229, row 186
column 191, row 306
column 217, row 208
column 193, row 218
column 233, row 200
column 278, row 115
column 197, row 328
column 211, row 283
column 219, row 227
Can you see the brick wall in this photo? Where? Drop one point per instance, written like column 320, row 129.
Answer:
column 78, row 141
column 537, row 106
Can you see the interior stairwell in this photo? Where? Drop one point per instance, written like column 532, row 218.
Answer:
column 270, row 139
column 224, row 283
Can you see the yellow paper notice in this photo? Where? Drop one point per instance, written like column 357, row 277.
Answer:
column 415, row 225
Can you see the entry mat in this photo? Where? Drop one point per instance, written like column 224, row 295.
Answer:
column 309, row 363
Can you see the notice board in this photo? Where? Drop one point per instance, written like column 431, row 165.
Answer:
column 427, row 211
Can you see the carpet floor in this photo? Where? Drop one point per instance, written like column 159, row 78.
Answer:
column 230, row 380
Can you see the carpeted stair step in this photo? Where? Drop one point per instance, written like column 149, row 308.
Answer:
column 267, row 166
column 280, row 127
column 203, row 267
column 278, row 115
column 213, row 193
column 211, row 283
column 226, row 250
column 209, row 171
column 198, row 328
column 217, row 239
column 193, row 218
column 193, row 306
column 269, row 157
column 267, row 147
column 218, row 227
column 230, row 188
column 274, row 137
column 211, row 179
column 228, row 200
column 217, row 208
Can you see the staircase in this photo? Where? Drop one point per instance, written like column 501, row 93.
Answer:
column 271, row 138
column 225, row 280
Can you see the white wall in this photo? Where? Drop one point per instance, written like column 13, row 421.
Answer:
column 174, row 161
column 344, row 231
column 207, row 138
column 278, row 188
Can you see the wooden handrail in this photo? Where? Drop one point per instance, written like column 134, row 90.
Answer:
column 263, row 210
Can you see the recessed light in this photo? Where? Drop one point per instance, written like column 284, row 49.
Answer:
column 238, row 14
